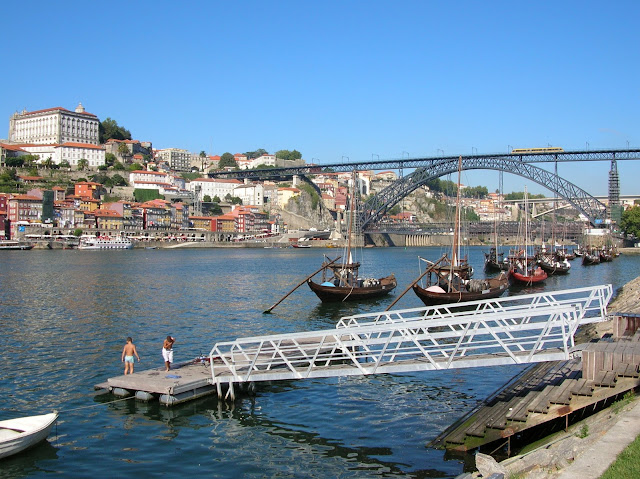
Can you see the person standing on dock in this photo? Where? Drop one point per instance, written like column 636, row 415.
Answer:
column 128, row 352
column 167, row 351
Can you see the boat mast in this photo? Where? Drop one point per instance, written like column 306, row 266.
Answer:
column 526, row 229
column 346, row 270
column 456, row 233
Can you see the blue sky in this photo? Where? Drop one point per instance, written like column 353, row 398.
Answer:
column 355, row 79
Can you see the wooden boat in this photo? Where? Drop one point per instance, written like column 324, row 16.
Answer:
column 449, row 280
column 524, row 270
column 346, row 286
column 342, row 281
column 469, row 290
column 589, row 259
column 493, row 261
column 24, row 432
column 528, row 275
column 605, row 255
column 551, row 264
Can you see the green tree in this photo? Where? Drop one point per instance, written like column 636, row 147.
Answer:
column 109, row 129
column 118, row 180
column 118, row 166
column 30, row 160
column 519, row 195
column 123, row 150
column 216, row 199
column 288, row 155
column 48, row 163
column 206, row 199
column 630, row 222
column 142, row 195
column 77, row 232
column 14, row 162
column 9, row 175
column 110, row 159
column 475, row 192
column 227, row 160
column 135, row 167
column 83, row 164
column 65, row 164
column 256, row 154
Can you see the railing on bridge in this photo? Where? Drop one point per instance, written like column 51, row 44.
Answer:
column 512, row 330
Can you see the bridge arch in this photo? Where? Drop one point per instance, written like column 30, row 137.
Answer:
column 375, row 207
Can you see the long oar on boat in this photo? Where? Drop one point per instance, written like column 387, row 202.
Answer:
column 268, row 311
column 429, row 269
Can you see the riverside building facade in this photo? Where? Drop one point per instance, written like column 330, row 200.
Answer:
column 54, row 126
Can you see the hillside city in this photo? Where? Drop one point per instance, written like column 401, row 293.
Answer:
column 77, row 179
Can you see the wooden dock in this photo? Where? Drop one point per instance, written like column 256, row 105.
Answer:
column 549, row 391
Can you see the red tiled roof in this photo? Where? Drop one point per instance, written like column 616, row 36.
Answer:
column 216, row 180
column 146, row 172
column 111, row 213
column 82, row 145
column 31, row 178
column 25, row 197
column 11, row 147
column 57, row 108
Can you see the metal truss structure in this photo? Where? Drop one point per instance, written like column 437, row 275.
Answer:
column 376, row 207
column 512, row 330
column 424, row 162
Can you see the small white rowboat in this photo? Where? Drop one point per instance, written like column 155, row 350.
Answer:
column 21, row 433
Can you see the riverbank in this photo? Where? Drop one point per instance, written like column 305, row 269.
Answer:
column 590, row 446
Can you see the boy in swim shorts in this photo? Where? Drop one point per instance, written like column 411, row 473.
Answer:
column 128, row 352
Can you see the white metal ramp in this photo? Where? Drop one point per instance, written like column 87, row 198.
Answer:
column 512, row 330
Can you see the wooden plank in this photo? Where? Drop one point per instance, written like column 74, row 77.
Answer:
column 605, row 379
column 562, row 393
column 499, row 419
column 520, row 411
column 541, row 402
column 477, row 428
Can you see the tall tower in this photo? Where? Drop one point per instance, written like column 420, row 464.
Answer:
column 615, row 212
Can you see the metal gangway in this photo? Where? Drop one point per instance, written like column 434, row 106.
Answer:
column 512, row 330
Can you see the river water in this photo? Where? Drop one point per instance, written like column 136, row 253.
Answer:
column 65, row 316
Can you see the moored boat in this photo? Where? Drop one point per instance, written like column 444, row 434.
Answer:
column 449, row 279
column 342, row 281
column 469, row 290
column 494, row 261
column 524, row 270
column 589, row 259
column 14, row 245
column 21, row 433
column 551, row 264
column 347, row 287
column 105, row 242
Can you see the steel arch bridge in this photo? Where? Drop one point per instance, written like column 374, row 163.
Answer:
column 375, row 207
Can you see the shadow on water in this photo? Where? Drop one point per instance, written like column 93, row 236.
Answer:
column 32, row 461
column 216, row 416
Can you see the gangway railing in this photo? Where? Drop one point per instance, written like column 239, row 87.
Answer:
column 536, row 328
column 593, row 302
